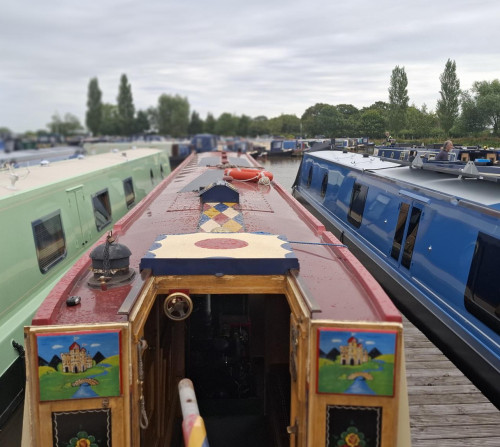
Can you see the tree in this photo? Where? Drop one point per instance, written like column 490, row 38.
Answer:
column 259, row 126
column 398, row 99
column 448, row 106
column 141, row 122
column 126, row 110
column 173, row 115
column 226, row 125
column 152, row 113
column 322, row 119
column 487, row 95
column 470, row 122
column 350, row 120
column 64, row 126
column 210, row 122
column 243, row 128
column 195, row 124
column 420, row 123
column 288, row 125
column 372, row 124
column 110, row 120
column 94, row 107
column 4, row 131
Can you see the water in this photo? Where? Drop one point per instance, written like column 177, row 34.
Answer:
column 284, row 170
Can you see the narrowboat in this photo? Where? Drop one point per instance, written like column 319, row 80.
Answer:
column 30, row 157
column 430, row 234
column 362, row 144
column 204, row 143
column 216, row 312
column 458, row 153
column 282, row 148
column 177, row 150
column 49, row 216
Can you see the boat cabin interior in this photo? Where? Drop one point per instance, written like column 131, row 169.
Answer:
column 235, row 349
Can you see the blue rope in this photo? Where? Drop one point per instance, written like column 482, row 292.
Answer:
column 317, row 243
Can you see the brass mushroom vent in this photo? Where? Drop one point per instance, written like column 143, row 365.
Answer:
column 110, row 265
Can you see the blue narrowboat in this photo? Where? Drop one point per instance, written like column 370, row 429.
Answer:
column 430, row 235
column 282, row 147
column 204, row 142
column 458, row 153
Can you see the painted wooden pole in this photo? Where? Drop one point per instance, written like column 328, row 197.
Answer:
column 193, row 427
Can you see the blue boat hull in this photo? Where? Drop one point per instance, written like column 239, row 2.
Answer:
column 430, row 284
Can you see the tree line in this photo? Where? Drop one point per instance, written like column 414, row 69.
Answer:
column 459, row 113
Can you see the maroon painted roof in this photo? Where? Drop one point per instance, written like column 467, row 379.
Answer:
column 331, row 276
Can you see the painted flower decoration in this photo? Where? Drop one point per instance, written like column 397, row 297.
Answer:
column 352, row 437
column 352, row 440
column 82, row 439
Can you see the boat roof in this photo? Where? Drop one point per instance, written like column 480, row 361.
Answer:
column 438, row 178
column 34, row 177
column 174, row 215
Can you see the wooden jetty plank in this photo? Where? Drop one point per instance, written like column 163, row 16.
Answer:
column 446, row 409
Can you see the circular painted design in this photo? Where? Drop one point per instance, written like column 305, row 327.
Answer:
column 224, row 243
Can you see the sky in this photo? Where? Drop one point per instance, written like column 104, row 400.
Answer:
column 258, row 57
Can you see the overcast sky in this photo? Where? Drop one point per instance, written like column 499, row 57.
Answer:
column 258, row 57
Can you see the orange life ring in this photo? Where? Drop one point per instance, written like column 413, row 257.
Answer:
column 252, row 175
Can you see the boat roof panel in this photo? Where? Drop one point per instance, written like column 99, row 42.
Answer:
column 220, row 254
column 473, row 190
column 38, row 176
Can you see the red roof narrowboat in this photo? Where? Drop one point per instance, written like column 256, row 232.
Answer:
column 232, row 291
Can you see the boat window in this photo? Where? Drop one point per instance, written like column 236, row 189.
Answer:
column 102, row 209
column 152, row 176
column 161, row 171
column 309, row 177
column 481, row 294
column 400, row 228
column 411, row 236
column 324, row 185
column 128, row 187
column 50, row 242
column 358, row 199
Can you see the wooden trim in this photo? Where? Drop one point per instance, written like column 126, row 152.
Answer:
column 227, row 284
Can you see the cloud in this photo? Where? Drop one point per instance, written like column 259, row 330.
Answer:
column 256, row 58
